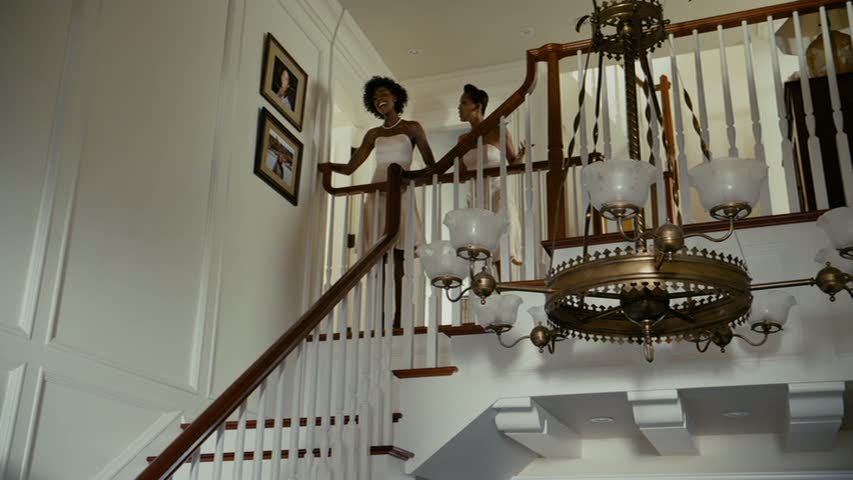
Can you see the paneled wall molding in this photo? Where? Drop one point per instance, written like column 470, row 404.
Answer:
column 526, row 422
column 9, row 409
column 816, row 411
column 662, row 419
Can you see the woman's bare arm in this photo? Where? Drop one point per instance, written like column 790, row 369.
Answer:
column 421, row 141
column 360, row 155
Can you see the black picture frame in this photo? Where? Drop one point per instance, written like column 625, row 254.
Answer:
column 290, row 102
column 278, row 156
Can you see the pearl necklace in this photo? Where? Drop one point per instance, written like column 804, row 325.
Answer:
column 400, row 119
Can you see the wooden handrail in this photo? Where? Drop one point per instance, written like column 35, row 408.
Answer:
column 168, row 462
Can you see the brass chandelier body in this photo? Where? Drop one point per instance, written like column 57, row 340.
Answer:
column 638, row 295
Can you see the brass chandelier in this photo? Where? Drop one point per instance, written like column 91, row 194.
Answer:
column 644, row 294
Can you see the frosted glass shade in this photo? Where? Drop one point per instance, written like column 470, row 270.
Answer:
column 439, row 259
column 729, row 180
column 831, row 256
column 771, row 307
column 538, row 315
column 838, row 225
column 618, row 181
column 475, row 226
column 498, row 310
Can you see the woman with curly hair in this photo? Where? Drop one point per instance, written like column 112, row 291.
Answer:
column 394, row 142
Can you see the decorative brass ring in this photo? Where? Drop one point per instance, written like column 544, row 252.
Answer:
column 766, row 327
column 615, row 211
column 447, row 282
column 727, row 211
column 473, row 253
column 705, row 290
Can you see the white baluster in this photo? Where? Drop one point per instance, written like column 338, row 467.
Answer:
column 456, row 311
column 353, row 380
column 607, row 145
column 195, row 463
column 504, row 206
column 787, row 144
column 529, row 223
column 841, row 143
column 420, row 286
column 755, row 115
column 408, row 312
column 296, row 409
column 700, row 89
column 240, row 447
column 684, row 194
column 388, row 350
column 480, row 200
column 260, row 423
column 218, row 452
column 727, row 95
column 434, row 319
column 277, row 424
column 815, row 157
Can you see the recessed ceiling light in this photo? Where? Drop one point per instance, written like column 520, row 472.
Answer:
column 415, row 51
column 527, row 31
column 601, row 420
column 735, row 414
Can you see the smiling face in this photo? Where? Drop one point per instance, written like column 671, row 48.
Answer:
column 285, row 80
column 467, row 108
column 384, row 100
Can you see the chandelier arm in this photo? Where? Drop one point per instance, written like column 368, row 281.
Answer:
column 600, row 314
column 715, row 240
column 637, row 232
column 461, row 294
column 513, row 344
column 805, row 282
column 705, row 348
column 754, row 343
column 687, row 318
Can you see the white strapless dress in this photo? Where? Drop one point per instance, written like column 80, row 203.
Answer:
column 492, row 194
column 387, row 151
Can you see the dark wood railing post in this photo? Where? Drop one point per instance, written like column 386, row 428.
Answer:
column 554, row 179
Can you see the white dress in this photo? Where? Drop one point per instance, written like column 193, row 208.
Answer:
column 492, row 194
column 389, row 150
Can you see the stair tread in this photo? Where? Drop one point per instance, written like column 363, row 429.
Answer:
column 449, row 330
column 425, row 372
column 288, row 422
column 390, row 450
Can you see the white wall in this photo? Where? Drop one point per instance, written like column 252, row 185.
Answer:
column 145, row 266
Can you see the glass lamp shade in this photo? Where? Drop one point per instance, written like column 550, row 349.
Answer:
column 440, row 260
column 831, row 256
column 838, row 225
column 771, row 307
column 616, row 182
column 499, row 310
column 475, row 227
column 728, row 180
column 538, row 315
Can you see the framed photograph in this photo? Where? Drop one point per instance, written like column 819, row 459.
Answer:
column 278, row 157
column 283, row 82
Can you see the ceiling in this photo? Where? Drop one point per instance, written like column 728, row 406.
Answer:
column 454, row 35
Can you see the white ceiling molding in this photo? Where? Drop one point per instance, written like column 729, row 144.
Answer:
column 524, row 421
column 815, row 475
column 662, row 419
column 816, row 411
